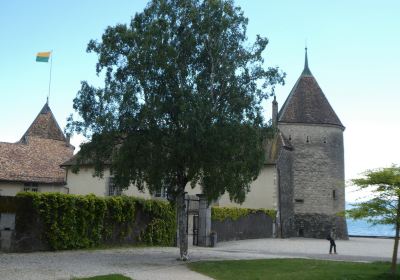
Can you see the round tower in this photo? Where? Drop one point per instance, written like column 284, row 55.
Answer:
column 315, row 133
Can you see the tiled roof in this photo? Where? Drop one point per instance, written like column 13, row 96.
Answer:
column 307, row 103
column 45, row 126
column 38, row 155
column 77, row 160
column 273, row 146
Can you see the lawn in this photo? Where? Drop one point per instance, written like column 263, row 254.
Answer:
column 292, row 269
column 106, row 277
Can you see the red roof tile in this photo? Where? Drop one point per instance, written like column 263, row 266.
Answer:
column 307, row 103
column 39, row 153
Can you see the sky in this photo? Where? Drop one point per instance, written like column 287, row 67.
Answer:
column 353, row 52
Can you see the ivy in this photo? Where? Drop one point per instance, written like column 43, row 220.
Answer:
column 234, row 213
column 77, row 221
column 162, row 230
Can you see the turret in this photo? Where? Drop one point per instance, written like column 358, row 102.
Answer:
column 315, row 132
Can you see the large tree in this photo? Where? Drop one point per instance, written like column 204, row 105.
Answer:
column 181, row 102
column 384, row 206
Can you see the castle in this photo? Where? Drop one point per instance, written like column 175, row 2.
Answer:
column 302, row 177
column 310, row 162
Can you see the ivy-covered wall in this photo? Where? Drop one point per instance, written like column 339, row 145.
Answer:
column 54, row 221
column 232, row 223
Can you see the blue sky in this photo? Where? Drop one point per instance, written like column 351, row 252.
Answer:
column 353, row 53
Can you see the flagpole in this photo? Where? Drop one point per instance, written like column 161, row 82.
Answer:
column 51, row 66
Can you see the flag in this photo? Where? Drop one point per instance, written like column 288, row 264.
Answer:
column 43, row 56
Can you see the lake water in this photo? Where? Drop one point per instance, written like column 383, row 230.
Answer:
column 362, row 228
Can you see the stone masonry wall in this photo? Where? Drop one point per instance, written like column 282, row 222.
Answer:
column 255, row 225
column 285, row 218
column 318, row 173
column 320, row 225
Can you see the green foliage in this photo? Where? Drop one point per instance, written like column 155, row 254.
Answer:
column 234, row 213
column 289, row 269
column 77, row 221
column 181, row 101
column 161, row 230
column 383, row 207
column 121, row 212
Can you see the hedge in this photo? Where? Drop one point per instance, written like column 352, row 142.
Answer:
column 234, row 213
column 83, row 221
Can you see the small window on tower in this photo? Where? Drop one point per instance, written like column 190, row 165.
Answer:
column 325, row 140
column 298, row 200
column 290, row 137
column 334, row 195
column 308, row 139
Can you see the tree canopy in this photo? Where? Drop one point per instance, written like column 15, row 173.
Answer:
column 384, row 206
column 181, row 102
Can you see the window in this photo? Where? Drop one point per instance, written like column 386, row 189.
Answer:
column 161, row 193
column 298, row 200
column 113, row 189
column 308, row 139
column 334, row 195
column 31, row 187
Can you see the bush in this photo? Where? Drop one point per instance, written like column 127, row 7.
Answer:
column 82, row 221
column 234, row 213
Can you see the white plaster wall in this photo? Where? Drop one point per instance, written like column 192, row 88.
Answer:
column 84, row 182
column 11, row 189
column 263, row 192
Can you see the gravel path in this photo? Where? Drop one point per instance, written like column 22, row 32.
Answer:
column 161, row 263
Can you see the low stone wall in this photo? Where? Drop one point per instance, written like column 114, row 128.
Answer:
column 19, row 226
column 23, row 230
column 252, row 226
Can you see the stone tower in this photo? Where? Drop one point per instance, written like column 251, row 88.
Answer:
column 315, row 134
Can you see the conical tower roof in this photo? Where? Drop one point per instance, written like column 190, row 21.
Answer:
column 307, row 104
column 45, row 126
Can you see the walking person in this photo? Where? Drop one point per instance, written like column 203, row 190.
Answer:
column 332, row 238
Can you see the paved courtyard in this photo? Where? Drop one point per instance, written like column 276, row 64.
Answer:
column 161, row 263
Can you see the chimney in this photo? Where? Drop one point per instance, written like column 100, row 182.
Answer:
column 274, row 112
column 68, row 140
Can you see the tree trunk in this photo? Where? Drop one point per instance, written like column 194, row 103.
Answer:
column 396, row 241
column 182, row 226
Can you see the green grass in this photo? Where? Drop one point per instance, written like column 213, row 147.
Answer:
column 292, row 269
column 106, row 277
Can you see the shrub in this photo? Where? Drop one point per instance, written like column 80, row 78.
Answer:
column 82, row 221
column 234, row 213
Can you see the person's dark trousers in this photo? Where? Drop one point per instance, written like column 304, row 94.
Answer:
column 333, row 245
